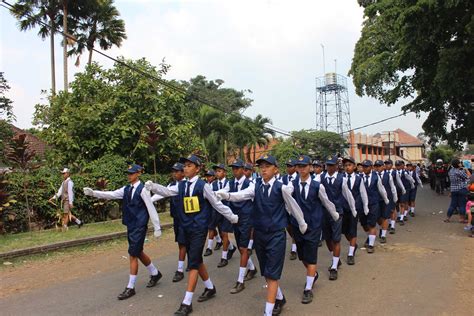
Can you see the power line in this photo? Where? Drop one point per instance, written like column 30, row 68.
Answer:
column 181, row 90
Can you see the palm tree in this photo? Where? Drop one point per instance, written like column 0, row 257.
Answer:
column 99, row 23
column 214, row 129
column 31, row 14
column 261, row 135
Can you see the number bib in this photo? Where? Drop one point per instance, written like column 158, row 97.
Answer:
column 191, row 204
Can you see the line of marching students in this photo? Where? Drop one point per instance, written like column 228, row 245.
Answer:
column 314, row 201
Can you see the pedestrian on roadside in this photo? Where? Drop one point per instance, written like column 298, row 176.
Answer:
column 458, row 178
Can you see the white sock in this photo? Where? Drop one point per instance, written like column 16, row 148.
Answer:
column 351, row 251
column 250, row 264
column 181, row 266
column 218, row 239
column 401, row 217
column 371, row 240
column 250, row 244
column 131, row 281
column 309, row 282
column 293, row 247
column 152, row 269
column 413, row 209
column 231, row 246
column 279, row 294
column 78, row 222
column 392, row 223
column 208, row 284
column 188, row 298
column 240, row 279
column 384, row 232
column 209, row 243
column 405, row 213
column 224, row 254
column 269, row 309
column 335, row 261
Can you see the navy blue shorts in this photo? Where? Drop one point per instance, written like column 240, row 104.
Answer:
column 136, row 238
column 195, row 239
column 391, row 206
column 307, row 244
column 332, row 229
column 412, row 194
column 270, row 249
column 384, row 210
column 403, row 198
column 349, row 224
column 370, row 220
column 242, row 231
column 179, row 236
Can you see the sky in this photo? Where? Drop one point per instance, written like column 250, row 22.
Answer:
column 272, row 48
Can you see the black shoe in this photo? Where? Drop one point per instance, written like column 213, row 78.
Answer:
column 250, row 274
column 208, row 252
column 207, row 294
column 350, row 260
column 178, row 276
column 339, row 263
column 333, row 274
column 383, row 240
column 223, row 263
column 238, row 287
column 184, row 310
column 370, row 249
column 154, row 279
column 127, row 293
column 218, row 246
column 80, row 225
column 402, row 223
column 307, row 297
column 405, row 219
column 279, row 306
column 293, row 255
column 231, row 253
column 392, row 230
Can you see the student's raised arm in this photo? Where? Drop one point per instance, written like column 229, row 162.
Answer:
column 106, row 195
column 242, row 195
column 218, row 206
column 393, row 188
column 330, row 207
column 293, row 208
column 161, row 189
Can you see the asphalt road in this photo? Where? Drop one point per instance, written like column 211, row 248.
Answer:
column 424, row 269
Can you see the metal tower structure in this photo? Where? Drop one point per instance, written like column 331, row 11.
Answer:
column 332, row 104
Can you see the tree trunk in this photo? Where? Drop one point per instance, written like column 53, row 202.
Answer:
column 154, row 167
column 27, row 205
column 53, row 67
column 66, row 86
column 89, row 62
column 247, row 154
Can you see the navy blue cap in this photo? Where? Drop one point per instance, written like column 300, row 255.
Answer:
column 378, row 163
column 331, row 160
column 218, row 166
column 303, row 160
column 399, row 162
column 237, row 163
column 248, row 166
column 348, row 159
column 408, row 164
column 178, row 167
column 290, row 162
column 367, row 163
column 269, row 159
column 191, row 158
column 388, row 162
column 317, row 163
column 134, row 168
column 210, row 172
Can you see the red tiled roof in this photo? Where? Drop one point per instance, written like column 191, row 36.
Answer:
column 36, row 144
column 407, row 139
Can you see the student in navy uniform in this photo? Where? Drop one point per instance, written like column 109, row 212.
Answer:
column 137, row 210
column 318, row 170
column 310, row 196
column 337, row 190
column 269, row 219
column 241, row 230
column 210, row 176
column 215, row 218
column 400, row 190
column 412, row 194
column 349, row 219
column 290, row 175
column 375, row 192
column 249, row 173
column 385, row 209
column 360, row 169
column 198, row 199
column 403, row 198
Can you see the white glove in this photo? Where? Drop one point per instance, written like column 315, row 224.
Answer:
column 234, row 219
column 149, row 185
column 222, row 195
column 303, row 228
column 354, row 213
column 404, row 191
column 157, row 233
column 366, row 210
column 88, row 192
column 335, row 216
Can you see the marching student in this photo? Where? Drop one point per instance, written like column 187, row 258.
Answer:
column 408, row 184
column 66, row 193
column 318, row 170
column 360, row 169
column 248, row 172
column 137, row 210
column 375, row 192
column 290, row 175
column 272, row 201
column 337, row 190
column 277, row 174
column 242, row 230
column 197, row 199
column 385, row 210
column 210, row 176
column 400, row 191
column 412, row 194
column 310, row 196
column 349, row 219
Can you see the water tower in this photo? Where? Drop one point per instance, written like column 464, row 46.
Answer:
column 332, row 104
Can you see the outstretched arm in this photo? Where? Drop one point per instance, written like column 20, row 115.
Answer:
column 293, row 208
column 243, row 195
column 393, row 188
column 330, row 207
column 161, row 189
column 347, row 194
column 105, row 195
column 218, row 206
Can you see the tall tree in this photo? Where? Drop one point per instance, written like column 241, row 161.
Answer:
column 424, row 50
column 319, row 144
column 32, row 14
column 261, row 135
